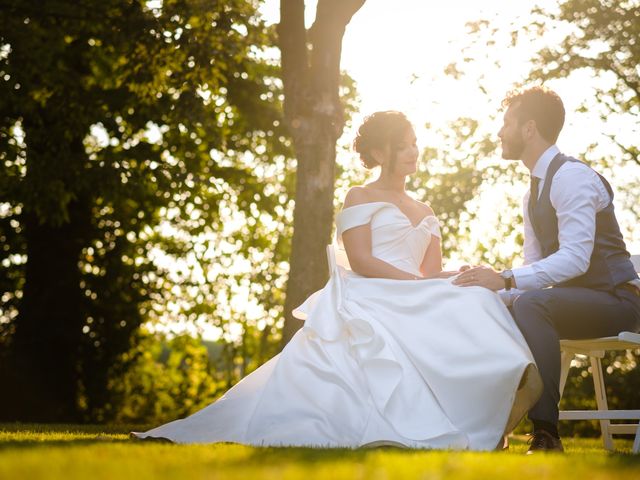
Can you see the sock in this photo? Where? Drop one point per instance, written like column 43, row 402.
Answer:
column 546, row 426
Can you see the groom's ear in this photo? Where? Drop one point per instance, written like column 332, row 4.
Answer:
column 530, row 129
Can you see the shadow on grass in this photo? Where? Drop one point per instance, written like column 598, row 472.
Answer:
column 276, row 456
column 34, row 444
column 257, row 455
column 101, row 434
column 71, row 428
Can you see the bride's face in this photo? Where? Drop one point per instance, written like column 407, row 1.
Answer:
column 406, row 161
column 511, row 135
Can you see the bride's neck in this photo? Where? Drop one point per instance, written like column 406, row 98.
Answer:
column 391, row 182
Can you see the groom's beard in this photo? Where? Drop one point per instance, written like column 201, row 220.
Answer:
column 512, row 149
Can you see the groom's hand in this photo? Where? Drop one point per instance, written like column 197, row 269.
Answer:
column 480, row 277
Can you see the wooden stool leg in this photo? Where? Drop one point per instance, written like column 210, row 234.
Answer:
column 601, row 400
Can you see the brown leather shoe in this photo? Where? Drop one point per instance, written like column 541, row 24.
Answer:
column 543, row 441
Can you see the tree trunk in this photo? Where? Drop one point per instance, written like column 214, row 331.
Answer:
column 315, row 117
column 43, row 380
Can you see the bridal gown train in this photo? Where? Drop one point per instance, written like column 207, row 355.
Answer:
column 422, row 363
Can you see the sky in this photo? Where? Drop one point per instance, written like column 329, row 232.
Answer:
column 396, row 51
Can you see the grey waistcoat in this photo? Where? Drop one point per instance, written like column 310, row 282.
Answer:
column 610, row 264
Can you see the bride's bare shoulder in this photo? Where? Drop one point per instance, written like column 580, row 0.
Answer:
column 426, row 208
column 356, row 196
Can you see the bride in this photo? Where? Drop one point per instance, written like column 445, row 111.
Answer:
column 391, row 351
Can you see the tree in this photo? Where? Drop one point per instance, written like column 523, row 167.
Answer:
column 314, row 116
column 601, row 42
column 604, row 41
column 114, row 114
column 167, row 379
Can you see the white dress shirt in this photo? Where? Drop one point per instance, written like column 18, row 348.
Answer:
column 577, row 194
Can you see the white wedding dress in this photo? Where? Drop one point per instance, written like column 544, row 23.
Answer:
column 422, row 363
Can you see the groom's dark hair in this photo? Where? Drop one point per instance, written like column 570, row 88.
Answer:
column 540, row 104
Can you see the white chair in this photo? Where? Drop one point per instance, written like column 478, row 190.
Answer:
column 595, row 349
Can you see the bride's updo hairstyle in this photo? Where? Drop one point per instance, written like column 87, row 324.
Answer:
column 377, row 131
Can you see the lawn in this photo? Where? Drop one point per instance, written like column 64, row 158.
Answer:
column 97, row 452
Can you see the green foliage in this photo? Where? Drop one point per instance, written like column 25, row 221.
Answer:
column 603, row 41
column 163, row 120
column 164, row 380
column 586, row 42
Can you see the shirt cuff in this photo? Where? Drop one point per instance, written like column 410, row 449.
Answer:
column 505, row 296
column 508, row 297
column 525, row 278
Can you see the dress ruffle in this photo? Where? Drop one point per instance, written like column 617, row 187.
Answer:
column 330, row 316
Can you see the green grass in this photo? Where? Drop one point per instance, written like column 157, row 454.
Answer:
column 96, row 452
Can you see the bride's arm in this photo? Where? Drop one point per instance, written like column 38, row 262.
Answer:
column 432, row 260
column 431, row 266
column 357, row 244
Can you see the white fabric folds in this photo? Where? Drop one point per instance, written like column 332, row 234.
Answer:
column 422, row 363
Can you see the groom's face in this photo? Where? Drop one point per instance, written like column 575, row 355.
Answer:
column 511, row 135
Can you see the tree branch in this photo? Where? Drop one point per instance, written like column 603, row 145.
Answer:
column 633, row 152
column 326, row 34
column 292, row 39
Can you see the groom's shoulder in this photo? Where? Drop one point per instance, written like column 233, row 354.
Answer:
column 568, row 159
column 573, row 164
column 575, row 172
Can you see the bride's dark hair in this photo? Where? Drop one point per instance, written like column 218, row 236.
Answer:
column 377, row 131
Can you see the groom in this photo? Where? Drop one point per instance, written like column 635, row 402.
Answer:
column 572, row 243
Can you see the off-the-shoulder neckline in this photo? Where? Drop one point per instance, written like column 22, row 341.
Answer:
column 397, row 208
